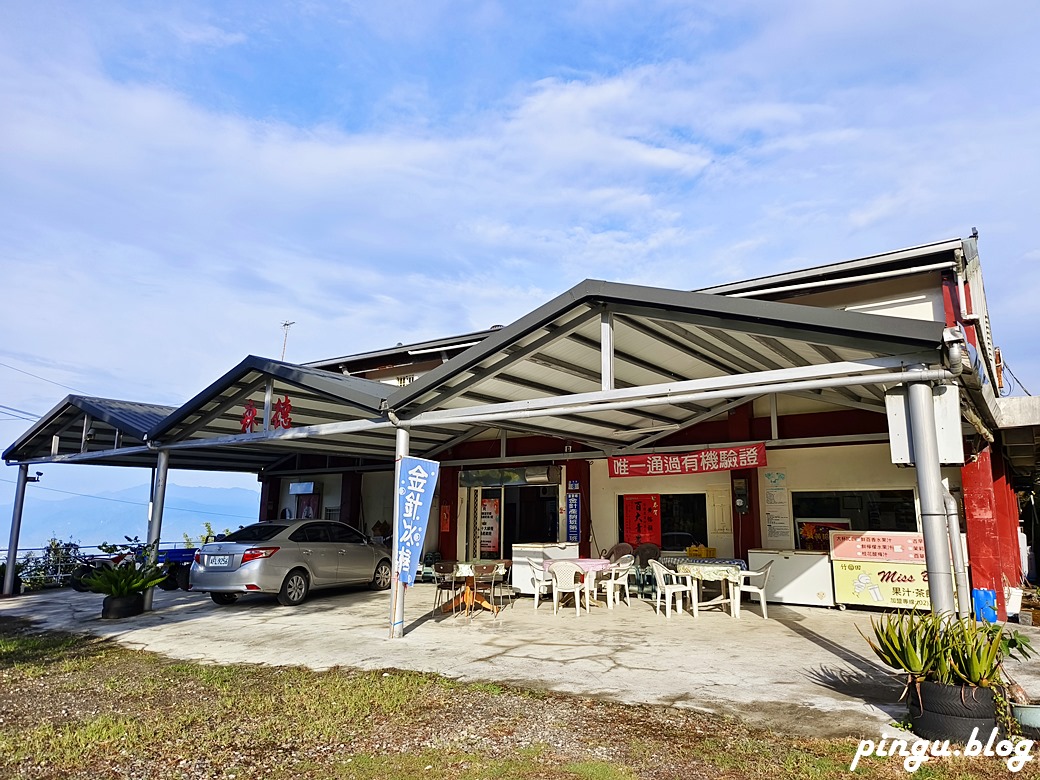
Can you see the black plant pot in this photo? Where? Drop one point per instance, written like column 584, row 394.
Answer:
column 115, row 607
column 952, row 712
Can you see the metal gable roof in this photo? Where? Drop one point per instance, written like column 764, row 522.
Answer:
column 83, row 424
column 660, row 337
column 837, row 273
column 213, row 420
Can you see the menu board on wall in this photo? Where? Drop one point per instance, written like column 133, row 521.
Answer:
column 776, row 507
column 896, row 546
column 642, row 522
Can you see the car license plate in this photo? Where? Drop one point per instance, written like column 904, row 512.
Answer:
column 218, row 560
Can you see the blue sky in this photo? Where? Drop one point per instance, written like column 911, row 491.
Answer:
column 178, row 179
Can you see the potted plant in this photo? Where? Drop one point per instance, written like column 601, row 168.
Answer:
column 955, row 676
column 124, row 586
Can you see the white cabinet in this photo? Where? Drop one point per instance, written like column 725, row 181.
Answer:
column 527, row 555
column 796, row 576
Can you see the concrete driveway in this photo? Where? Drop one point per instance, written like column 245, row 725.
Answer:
column 805, row 670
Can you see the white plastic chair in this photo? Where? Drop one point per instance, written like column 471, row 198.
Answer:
column 760, row 589
column 669, row 586
column 614, row 579
column 541, row 580
column 567, row 578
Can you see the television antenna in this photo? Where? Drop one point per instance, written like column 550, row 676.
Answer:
column 285, row 326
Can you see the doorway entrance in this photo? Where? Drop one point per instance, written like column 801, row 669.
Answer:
column 512, row 514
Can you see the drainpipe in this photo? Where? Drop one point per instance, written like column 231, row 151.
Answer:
column 960, row 575
column 930, row 489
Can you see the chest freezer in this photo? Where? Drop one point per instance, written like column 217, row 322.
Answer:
column 796, row 576
column 526, row 556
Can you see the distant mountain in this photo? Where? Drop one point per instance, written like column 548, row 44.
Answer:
column 111, row 516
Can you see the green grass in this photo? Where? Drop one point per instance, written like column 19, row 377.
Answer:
column 75, row 707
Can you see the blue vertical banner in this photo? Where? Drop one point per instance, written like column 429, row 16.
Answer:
column 415, row 490
column 573, row 517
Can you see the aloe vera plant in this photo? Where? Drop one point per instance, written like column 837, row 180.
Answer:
column 910, row 642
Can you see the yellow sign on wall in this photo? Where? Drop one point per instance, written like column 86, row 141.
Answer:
column 881, row 584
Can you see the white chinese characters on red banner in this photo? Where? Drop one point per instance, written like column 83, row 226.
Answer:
column 745, row 456
column 279, row 415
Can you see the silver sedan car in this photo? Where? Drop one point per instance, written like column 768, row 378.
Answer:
column 289, row 558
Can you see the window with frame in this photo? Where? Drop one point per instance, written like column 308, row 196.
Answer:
column 816, row 513
column 684, row 520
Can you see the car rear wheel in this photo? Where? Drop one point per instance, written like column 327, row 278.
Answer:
column 294, row 589
column 381, row 578
column 224, row 598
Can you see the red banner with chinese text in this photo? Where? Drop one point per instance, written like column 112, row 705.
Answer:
column 642, row 519
column 745, row 456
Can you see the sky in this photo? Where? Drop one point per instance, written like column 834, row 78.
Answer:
column 179, row 179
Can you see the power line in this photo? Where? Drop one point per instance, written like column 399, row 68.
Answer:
column 20, row 413
column 1008, row 369
column 42, row 378
column 133, row 503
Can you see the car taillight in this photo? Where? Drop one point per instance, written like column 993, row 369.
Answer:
column 198, row 557
column 258, row 552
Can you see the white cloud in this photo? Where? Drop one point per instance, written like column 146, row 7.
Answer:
column 150, row 238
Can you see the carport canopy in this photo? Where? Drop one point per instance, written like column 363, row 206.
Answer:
column 614, row 367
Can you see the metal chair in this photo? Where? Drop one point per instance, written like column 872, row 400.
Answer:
column 446, row 584
column 485, row 577
column 645, row 581
column 618, row 551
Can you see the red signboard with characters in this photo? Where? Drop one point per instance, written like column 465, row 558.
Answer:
column 643, row 519
column 746, row 456
column 279, row 415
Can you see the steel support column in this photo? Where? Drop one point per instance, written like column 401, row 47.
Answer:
column 162, row 468
column 16, row 528
column 930, row 490
column 396, row 586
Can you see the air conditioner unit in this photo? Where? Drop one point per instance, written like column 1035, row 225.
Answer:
column 542, row 475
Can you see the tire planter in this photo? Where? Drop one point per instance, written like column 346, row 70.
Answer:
column 952, row 712
column 1028, row 717
column 116, row 607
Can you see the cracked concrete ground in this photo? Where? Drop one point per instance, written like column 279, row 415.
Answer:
column 805, row 670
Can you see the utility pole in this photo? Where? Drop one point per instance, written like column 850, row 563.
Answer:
column 285, row 326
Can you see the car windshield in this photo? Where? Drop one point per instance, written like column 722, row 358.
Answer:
column 259, row 532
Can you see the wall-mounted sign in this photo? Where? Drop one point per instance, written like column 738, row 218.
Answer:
column 895, row 546
column 881, row 584
column 573, row 517
column 642, row 521
column 700, row 462
column 445, row 518
column 490, row 523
